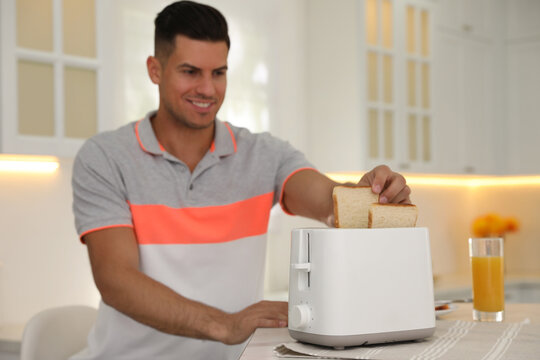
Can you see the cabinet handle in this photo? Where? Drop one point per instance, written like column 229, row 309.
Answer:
column 467, row 28
column 404, row 166
column 469, row 169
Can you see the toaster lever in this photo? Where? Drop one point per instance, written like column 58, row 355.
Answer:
column 302, row 267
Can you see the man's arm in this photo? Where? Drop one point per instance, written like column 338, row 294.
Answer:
column 114, row 258
column 309, row 193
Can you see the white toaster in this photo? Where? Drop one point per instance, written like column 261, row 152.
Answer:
column 351, row 287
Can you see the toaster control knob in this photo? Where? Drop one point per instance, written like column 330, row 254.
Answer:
column 300, row 316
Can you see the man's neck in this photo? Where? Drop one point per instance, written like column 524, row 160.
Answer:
column 186, row 144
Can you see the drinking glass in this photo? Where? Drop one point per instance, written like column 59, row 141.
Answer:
column 487, row 263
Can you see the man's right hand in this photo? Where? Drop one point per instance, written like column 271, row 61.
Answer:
column 264, row 314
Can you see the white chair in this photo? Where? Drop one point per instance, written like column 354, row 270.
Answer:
column 58, row 333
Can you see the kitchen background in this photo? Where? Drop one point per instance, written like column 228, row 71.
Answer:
column 448, row 89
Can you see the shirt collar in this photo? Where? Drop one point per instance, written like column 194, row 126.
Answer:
column 224, row 141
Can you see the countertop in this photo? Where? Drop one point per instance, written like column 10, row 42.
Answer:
column 10, row 338
column 263, row 341
column 463, row 280
column 452, row 286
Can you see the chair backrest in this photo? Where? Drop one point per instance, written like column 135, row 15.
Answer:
column 58, row 333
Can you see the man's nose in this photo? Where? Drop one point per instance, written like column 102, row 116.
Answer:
column 206, row 86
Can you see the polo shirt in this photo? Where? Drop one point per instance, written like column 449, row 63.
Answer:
column 201, row 233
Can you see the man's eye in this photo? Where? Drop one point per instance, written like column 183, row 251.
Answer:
column 189, row 72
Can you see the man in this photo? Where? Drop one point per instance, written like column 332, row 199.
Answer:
column 174, row 208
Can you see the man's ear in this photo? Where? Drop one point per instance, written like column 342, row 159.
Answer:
column 154, row 69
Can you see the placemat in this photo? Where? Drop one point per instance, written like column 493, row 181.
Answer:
column 453, row 340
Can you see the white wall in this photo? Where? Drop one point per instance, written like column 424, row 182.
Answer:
column 44, row 264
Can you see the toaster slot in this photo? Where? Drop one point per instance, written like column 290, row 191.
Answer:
column 302, row 267
column 309, row 260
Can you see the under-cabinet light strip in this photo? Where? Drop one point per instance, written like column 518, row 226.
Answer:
column 28, row 164
column 451, row 180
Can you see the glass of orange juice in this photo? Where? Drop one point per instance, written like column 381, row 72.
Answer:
column 487, row 264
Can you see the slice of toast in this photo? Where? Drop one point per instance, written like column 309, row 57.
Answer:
column 392, row 215
column 351, row 206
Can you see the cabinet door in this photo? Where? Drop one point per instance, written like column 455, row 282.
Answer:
column 523, row 95
column 477, row 125
column 382, row 58
column 398, row 56
column 523, row 87
column 52, row 75
column 464, row 95
column 416, row 112
column 447, row 105
column 471, row 17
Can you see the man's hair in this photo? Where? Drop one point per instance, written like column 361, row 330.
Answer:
column 191, row 19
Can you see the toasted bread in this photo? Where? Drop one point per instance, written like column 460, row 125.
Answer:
column 392, row 215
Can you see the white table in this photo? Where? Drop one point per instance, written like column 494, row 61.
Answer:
column 10, row 341
column 261, row 345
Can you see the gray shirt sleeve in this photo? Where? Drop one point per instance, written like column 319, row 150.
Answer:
column 99, row 197
column 291, row 160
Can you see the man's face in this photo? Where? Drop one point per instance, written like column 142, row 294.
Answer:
column 193, row 81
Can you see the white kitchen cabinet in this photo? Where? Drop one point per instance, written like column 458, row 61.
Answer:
column 468, row 86
column 522, row 20
column 523, row 96
column 336, row 136
column 477, row 94
column 464, row 97
column 398, row 109
column 369, row 88
column 53, row 74
column 483, row 87
column 522, row 87
column 474, row 18
column 486, row 87
column 447, row 102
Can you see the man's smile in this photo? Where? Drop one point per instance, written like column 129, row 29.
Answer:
column 201, row 104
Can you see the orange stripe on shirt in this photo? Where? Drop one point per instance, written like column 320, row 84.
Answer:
column 137, row 135
column 160, row 224
column 81, row 237
column 232, row 136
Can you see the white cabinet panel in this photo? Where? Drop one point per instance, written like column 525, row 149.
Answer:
column 477, row 117
column 336, row 135
column 471, row 17
column 464, row 95
column 476, row 17
column 447, row 106
column 523, row 18
column 523, row 94
column 448, row 15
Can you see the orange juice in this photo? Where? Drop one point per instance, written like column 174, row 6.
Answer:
column 488, row 283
